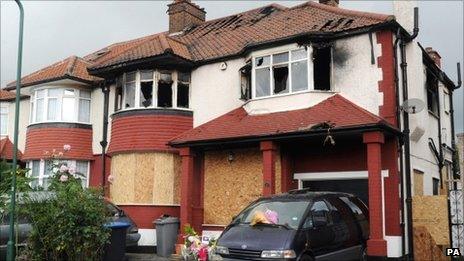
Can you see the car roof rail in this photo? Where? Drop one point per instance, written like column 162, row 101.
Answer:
column 299, row 191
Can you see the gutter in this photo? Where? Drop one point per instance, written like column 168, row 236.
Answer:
column 105, row 87
column 456, row 170
column 286, row 136
column 64, row 77
column 404, row 39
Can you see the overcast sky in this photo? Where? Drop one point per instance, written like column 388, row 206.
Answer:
column 55, row 30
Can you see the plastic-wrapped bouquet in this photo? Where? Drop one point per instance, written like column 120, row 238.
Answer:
column 197, row 247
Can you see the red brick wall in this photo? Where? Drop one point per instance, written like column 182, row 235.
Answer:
column 39, row 140
column 147, row 132
column 387, row 84
column 95, row 179
column 144, row 216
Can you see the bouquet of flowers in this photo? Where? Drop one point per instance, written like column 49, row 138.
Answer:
column 195, row 248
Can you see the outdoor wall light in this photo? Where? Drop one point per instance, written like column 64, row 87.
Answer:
column 231, row 156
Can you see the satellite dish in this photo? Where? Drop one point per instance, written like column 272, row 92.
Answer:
column 413, row 106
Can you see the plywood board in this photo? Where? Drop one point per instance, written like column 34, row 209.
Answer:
column 122, row 170
column 425, row 247
column 230, row 186
column 418, row 183
column 431, row 212
column 145, row 178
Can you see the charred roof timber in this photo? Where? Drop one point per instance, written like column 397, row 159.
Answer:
column 330, row 2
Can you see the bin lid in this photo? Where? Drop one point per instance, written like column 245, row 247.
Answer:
column 166, row 220
column 117, row 225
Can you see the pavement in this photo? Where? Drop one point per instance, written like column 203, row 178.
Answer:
column 147, row 257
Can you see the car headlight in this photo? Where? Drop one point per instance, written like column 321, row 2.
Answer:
column 222, row 250
column 278, row 254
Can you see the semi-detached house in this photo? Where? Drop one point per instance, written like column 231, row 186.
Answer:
column 200, row 120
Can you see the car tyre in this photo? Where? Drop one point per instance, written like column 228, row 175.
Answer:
column 306, row 258
column 363, row 256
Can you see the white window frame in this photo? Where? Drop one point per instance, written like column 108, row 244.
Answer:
column 42, row 166
column 4, row 116
column 310, row 85
column 446, row 101
column 154, row 105
column 59, row 112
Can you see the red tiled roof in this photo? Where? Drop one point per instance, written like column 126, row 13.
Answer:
column 6, row 95
column 230, row 35
column 9, row 95
column 6, row 149
column 72, row 67
column 336, row 110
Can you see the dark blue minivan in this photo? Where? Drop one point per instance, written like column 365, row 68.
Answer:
column 302, row 225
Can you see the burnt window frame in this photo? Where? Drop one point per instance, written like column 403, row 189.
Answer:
column 318, row 47
column 289, row 62
column 119, row 103
column 432, row 92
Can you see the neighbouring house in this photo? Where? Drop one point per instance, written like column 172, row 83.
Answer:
column 202, row 119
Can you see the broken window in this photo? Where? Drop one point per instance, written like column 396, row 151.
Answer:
column 432, row 92
column 280, row 73
column 245, row 82
column 183, row 92
column 146, row 88
column 118, row 94
column 129, row 90
column 322, row 60
column 165, row 90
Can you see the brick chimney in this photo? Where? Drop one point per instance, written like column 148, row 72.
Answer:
column 434, row 55
column 329, row 2
column 183, row 14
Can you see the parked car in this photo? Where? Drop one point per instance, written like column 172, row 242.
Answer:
column 24, row 227
column 298, row 225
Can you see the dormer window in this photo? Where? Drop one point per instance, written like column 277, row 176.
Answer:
column 152, row 89
column 60, row 105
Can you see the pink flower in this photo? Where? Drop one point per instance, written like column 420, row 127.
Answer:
column 110, row 179
column 66, row 147
column 63, row 168
column 72, row 170
column 63, row 178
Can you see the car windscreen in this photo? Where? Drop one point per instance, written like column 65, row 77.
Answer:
column 285, row 213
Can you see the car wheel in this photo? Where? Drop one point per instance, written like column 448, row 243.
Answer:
column 306, row 258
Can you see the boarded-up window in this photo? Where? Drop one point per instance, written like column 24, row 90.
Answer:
column 418, row 183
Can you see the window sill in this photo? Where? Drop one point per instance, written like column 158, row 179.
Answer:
column 291, row 94
column 70, row 123
column 139, row 111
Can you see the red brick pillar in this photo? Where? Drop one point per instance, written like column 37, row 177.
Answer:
column 376, row 245
column 268, row 148
column 186, row 187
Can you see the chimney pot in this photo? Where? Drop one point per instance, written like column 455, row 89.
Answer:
column 434, row 55
column 183, row 14
column 330, row 2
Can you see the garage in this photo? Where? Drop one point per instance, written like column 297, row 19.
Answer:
column 353, row 182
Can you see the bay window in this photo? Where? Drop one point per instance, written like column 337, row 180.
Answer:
column 288, row 72
column 152, row 89
column 41, row 172
column 60, row 105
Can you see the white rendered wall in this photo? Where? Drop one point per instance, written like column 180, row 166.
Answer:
column 24, row 106
column 215, row 92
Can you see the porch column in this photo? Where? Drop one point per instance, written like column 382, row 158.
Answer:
column 186, row 187
column 268, row 148
column 376, row 245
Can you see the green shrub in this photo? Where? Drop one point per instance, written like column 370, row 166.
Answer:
column 68, row 224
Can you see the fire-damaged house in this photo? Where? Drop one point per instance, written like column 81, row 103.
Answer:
column 202, row 119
